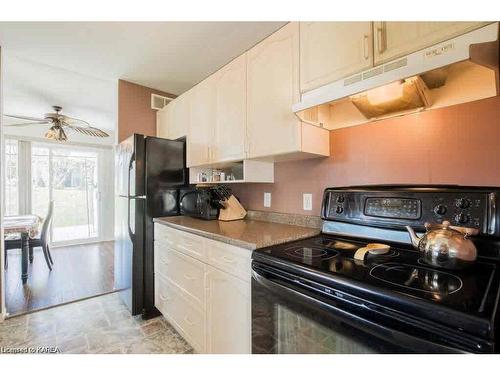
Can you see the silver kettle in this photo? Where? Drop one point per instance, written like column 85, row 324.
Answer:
column 445, row 246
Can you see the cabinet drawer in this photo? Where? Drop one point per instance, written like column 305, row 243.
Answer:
column 229, row 258
column 182, row 270
column 186, row 318
column 187, row 243
column 162, row 234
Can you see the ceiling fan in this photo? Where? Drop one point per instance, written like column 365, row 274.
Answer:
column 58, row 123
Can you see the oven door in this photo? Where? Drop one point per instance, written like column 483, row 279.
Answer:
column 289, row 317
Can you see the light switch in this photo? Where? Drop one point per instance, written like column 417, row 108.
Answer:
column 307, row 201
column 267, row 199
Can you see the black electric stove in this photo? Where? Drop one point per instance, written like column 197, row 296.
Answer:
column 393, row 302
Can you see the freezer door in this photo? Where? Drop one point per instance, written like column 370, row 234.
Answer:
column 130, row 166
column 165, row 164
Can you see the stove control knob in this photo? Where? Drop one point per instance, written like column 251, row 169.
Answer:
column 340, row 198
column 462, row 203
column 339, row 210
column 440, row 210
column 461, row 218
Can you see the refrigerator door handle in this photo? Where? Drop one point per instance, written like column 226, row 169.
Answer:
column 130, row 233
column 130, row 166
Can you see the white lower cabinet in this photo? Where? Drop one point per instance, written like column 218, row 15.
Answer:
column 228, row 313
column 186, row 317
column 202, row 288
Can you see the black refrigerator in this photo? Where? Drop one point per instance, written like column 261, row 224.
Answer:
column 149, row 173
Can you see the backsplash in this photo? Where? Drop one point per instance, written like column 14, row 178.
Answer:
column 454, row 145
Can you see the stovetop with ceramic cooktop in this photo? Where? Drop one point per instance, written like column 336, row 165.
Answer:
column 464, row 299
column 401, row 270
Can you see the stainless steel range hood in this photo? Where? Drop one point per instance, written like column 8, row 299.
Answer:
column 459, row 70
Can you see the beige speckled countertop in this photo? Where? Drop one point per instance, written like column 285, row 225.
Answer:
column 250, row 234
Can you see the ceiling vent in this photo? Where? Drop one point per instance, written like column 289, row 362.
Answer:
column 159, row 101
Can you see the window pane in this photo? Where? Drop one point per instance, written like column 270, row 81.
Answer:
column 73, row 176
column 40, row 180
column 11, row 177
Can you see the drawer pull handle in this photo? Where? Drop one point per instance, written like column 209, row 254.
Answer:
column 227, row 259
column 188, row 321
column 163, row 298
column 187, row 277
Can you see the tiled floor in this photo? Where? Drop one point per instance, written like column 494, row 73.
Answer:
column 96, row 325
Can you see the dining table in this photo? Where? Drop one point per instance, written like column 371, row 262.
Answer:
column 27, row 226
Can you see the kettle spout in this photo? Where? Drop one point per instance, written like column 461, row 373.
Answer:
column 413, row 236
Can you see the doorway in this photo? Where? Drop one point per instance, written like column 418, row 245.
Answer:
column 69, row 178
column 76, row 179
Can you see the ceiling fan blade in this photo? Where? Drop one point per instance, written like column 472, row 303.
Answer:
column 74, row 121
column 25, row 118
column 94, row 132
column 29, row 123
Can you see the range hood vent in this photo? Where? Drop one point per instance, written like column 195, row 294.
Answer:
column 456, row 71
column 398, row 97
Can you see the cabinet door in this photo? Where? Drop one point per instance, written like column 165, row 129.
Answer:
column 228, row 313
column 395, row 39
column 179, row 119
column 230, row 111
column 273, row 87
column 201, row 123
column 163, row 121
column 333, row 50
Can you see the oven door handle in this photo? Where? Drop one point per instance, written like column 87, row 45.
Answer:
column 285, row 289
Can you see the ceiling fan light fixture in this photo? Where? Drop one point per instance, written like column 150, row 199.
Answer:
column 56, row 133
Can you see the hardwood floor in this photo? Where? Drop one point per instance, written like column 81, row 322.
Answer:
column 79, row 271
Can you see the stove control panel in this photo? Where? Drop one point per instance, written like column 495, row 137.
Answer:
column 396, row 206
column 399, row 208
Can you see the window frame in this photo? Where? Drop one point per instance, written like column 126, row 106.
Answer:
column 105, row 166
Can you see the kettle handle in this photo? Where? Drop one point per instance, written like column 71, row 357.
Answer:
column 446, row 225
column 466, row 231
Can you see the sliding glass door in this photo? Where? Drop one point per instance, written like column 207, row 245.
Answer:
column 11, row 186
column 68, row 176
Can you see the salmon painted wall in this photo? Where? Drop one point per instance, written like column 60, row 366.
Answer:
column 454, row 145
column 134, row 110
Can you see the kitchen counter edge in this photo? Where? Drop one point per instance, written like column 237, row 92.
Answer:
column 300, row 232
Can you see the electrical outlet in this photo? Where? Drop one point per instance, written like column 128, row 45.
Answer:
column 267, row 199
column 307, row 201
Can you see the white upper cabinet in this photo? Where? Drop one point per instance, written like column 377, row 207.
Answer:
column 273, row 87
column 172, row 120
column 163, row 120
column 395, row 39
column 273, row 130
column 201, row 123
column 230, row 112
column 333, row 50
column 179, row 118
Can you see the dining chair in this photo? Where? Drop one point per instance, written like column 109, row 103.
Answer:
column 41, row 241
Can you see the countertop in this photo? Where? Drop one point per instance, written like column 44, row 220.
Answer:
column 250, row 234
